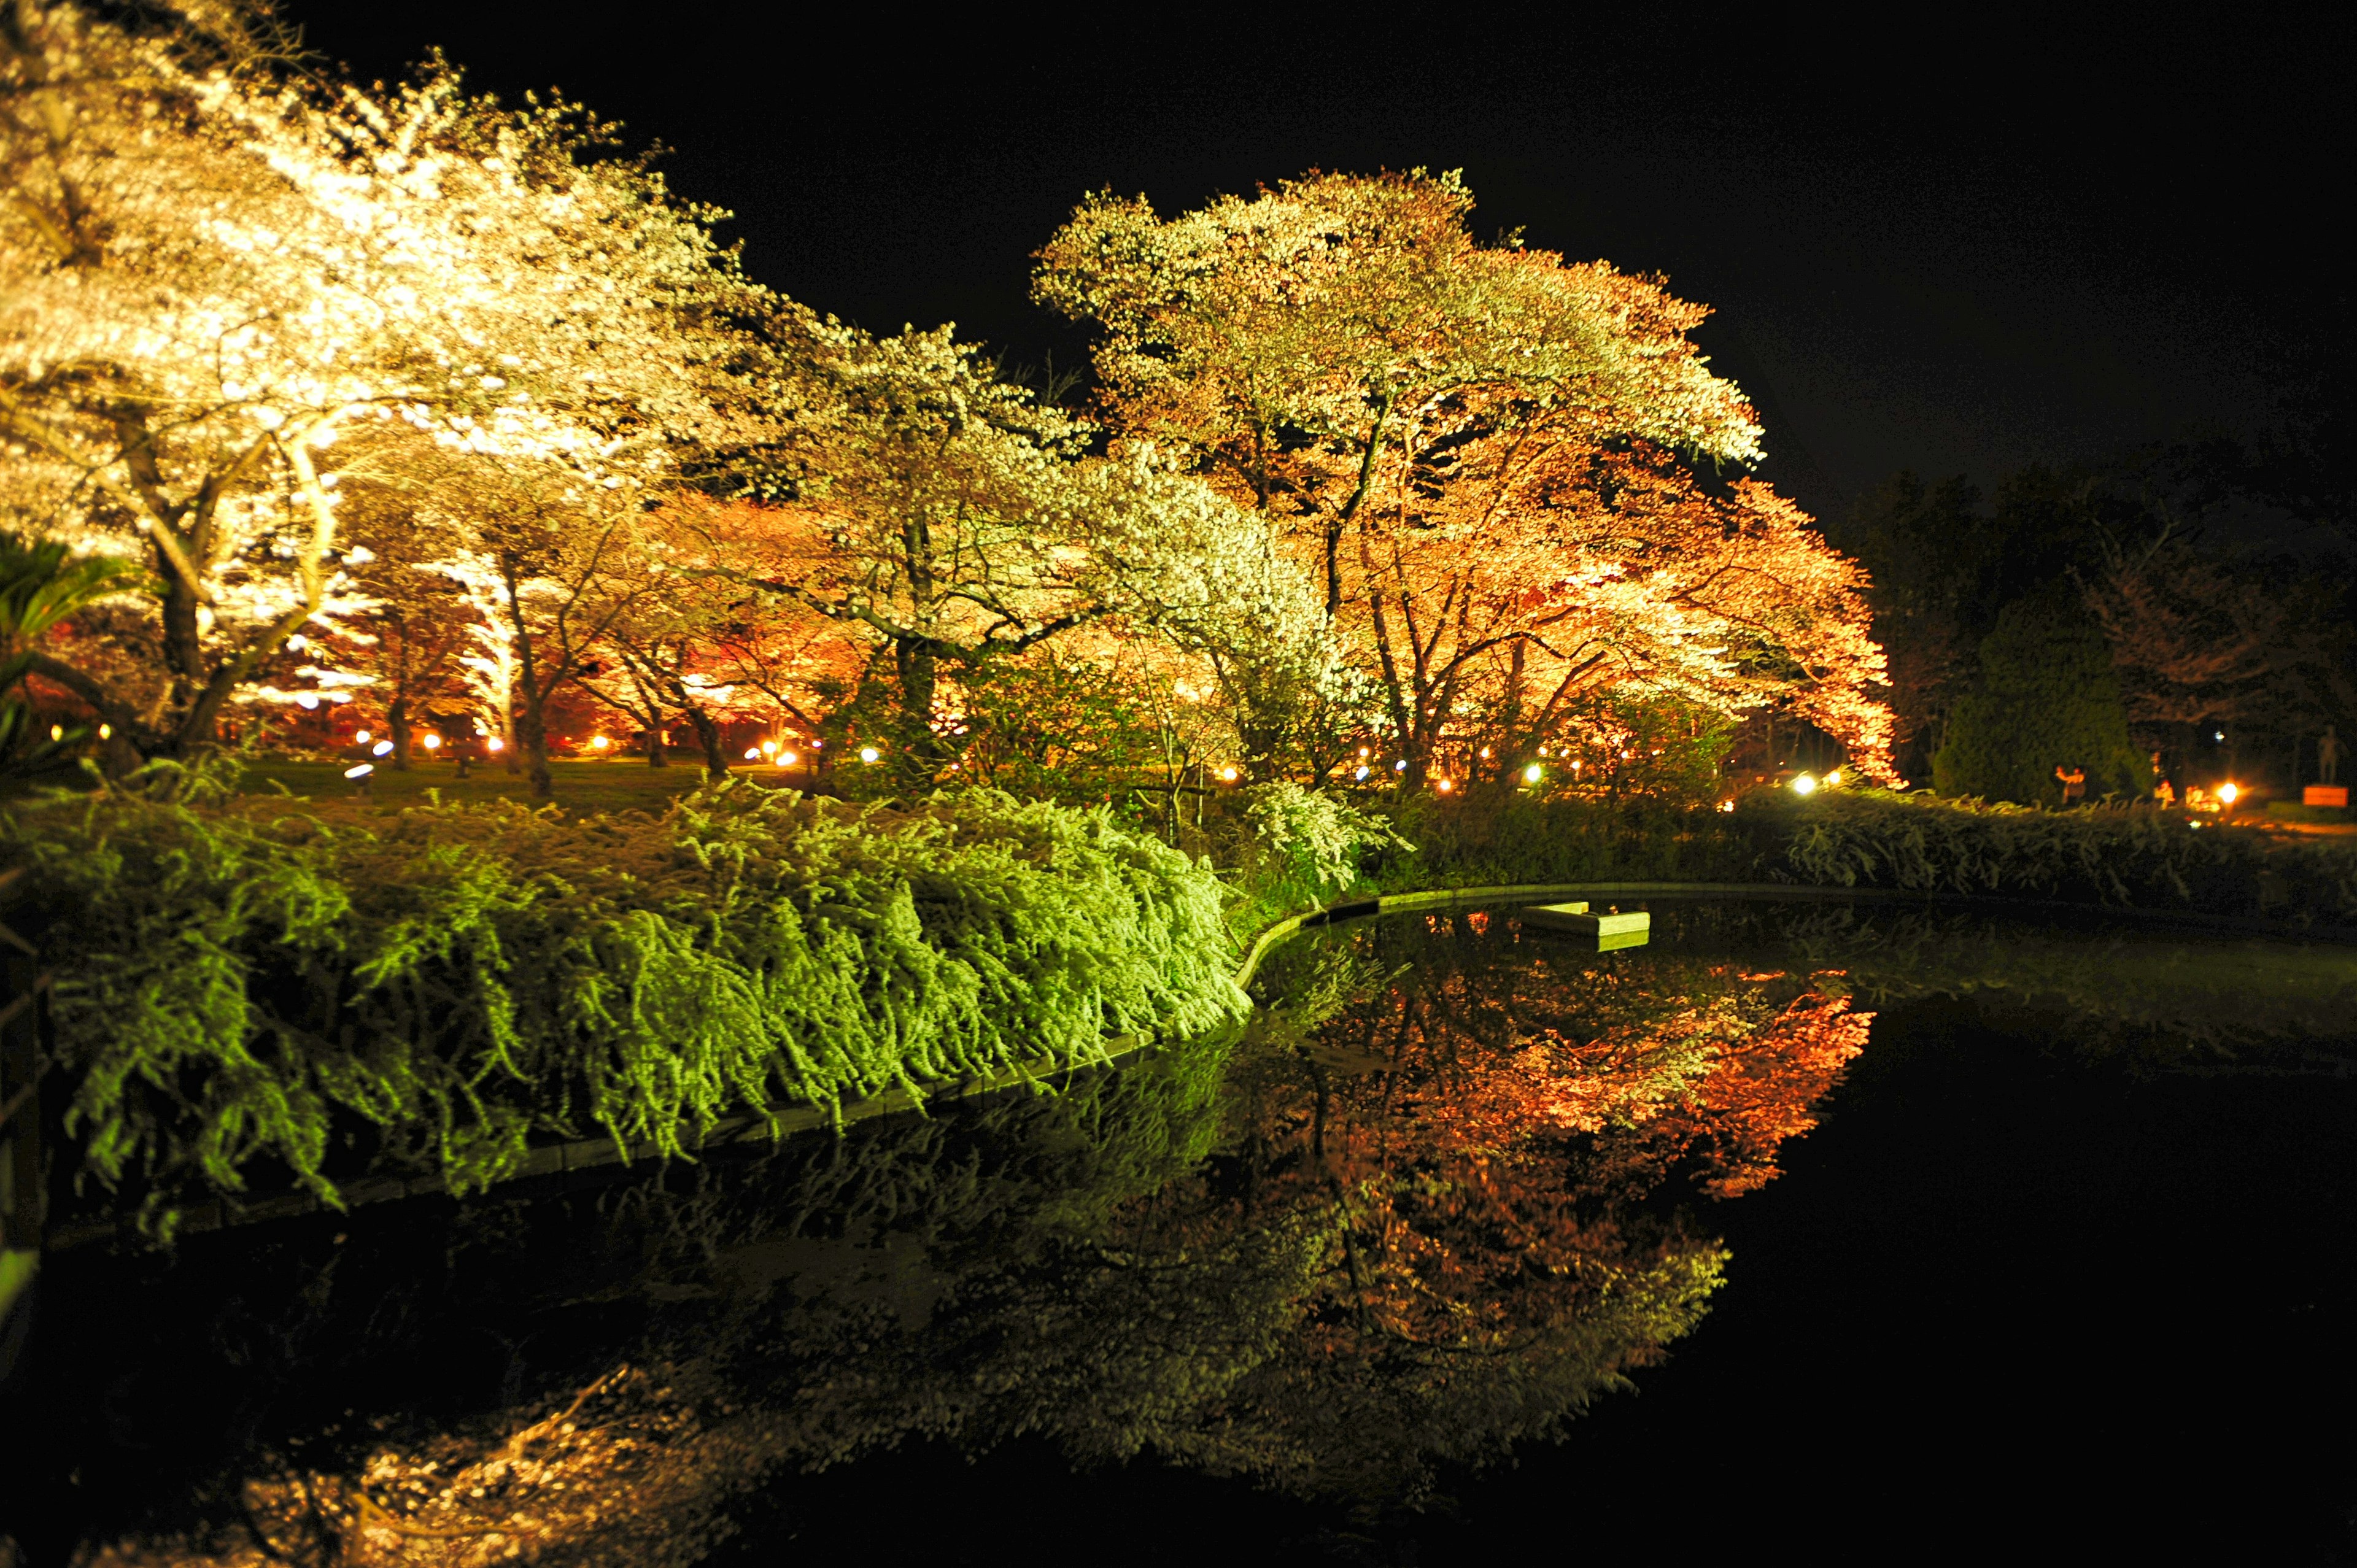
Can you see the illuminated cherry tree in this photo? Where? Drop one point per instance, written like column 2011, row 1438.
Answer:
column 228, row 298
column 1470, row 447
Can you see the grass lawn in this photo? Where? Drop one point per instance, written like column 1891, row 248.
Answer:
column 624, row 784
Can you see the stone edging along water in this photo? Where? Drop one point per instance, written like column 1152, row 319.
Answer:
column 559, row 1162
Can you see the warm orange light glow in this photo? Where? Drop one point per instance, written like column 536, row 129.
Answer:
column 363, row 738
column 786, row 760
column 433, row 743
column 600, row 742
column 1444, row 786
column 494, row 743
column 2227, row 792
column 1227, row 775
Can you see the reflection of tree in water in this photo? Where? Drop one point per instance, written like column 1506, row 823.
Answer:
column 1417, row 1243
column 1399, row 1227
column 1472, row 1139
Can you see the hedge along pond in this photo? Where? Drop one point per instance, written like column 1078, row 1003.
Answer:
column 253, row 993
column 247, row 990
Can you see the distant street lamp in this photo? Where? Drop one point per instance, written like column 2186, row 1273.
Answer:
column 433, row 743
column 1802, row 784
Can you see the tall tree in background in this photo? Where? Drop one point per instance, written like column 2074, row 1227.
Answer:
column 2046, row 699
column 1447, row 430
column 2218, row 612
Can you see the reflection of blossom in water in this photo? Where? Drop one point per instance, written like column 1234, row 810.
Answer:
column 1417, row 1241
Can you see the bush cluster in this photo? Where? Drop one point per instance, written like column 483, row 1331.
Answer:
column 2127, row 857
column 255, row 983
column 2122, row 857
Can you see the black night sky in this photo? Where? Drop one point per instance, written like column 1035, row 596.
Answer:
column 1958, row 251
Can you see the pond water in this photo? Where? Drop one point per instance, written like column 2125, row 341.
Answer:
column 1801, row 1227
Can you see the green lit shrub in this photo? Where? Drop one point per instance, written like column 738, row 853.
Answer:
column 268, row 985
column 1292, row 849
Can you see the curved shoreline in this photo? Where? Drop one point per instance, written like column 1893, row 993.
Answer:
column 557, row 1164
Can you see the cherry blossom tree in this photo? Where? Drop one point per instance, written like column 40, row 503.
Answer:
column 228, row 296
column 1471, row 446
column 950, row 522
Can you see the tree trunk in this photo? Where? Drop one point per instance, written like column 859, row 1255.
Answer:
column 707, row 733
column 531, row 739
column 531, row 731
column 397, row 718
column 919, row 752
column 183, row 651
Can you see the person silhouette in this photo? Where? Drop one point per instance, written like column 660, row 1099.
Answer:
column 2328, row 756
column 2074, row 785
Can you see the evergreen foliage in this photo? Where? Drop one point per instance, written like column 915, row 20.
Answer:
column 438, row 986
column 2047, row 699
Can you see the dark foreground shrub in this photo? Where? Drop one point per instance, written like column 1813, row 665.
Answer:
column 2118, row 856
column 1520, row 840
column 2129, row 857
column 244, row 983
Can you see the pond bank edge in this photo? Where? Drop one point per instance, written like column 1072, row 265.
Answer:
column 558, row 1161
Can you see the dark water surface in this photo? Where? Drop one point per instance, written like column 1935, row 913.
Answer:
column 1800, row 1230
